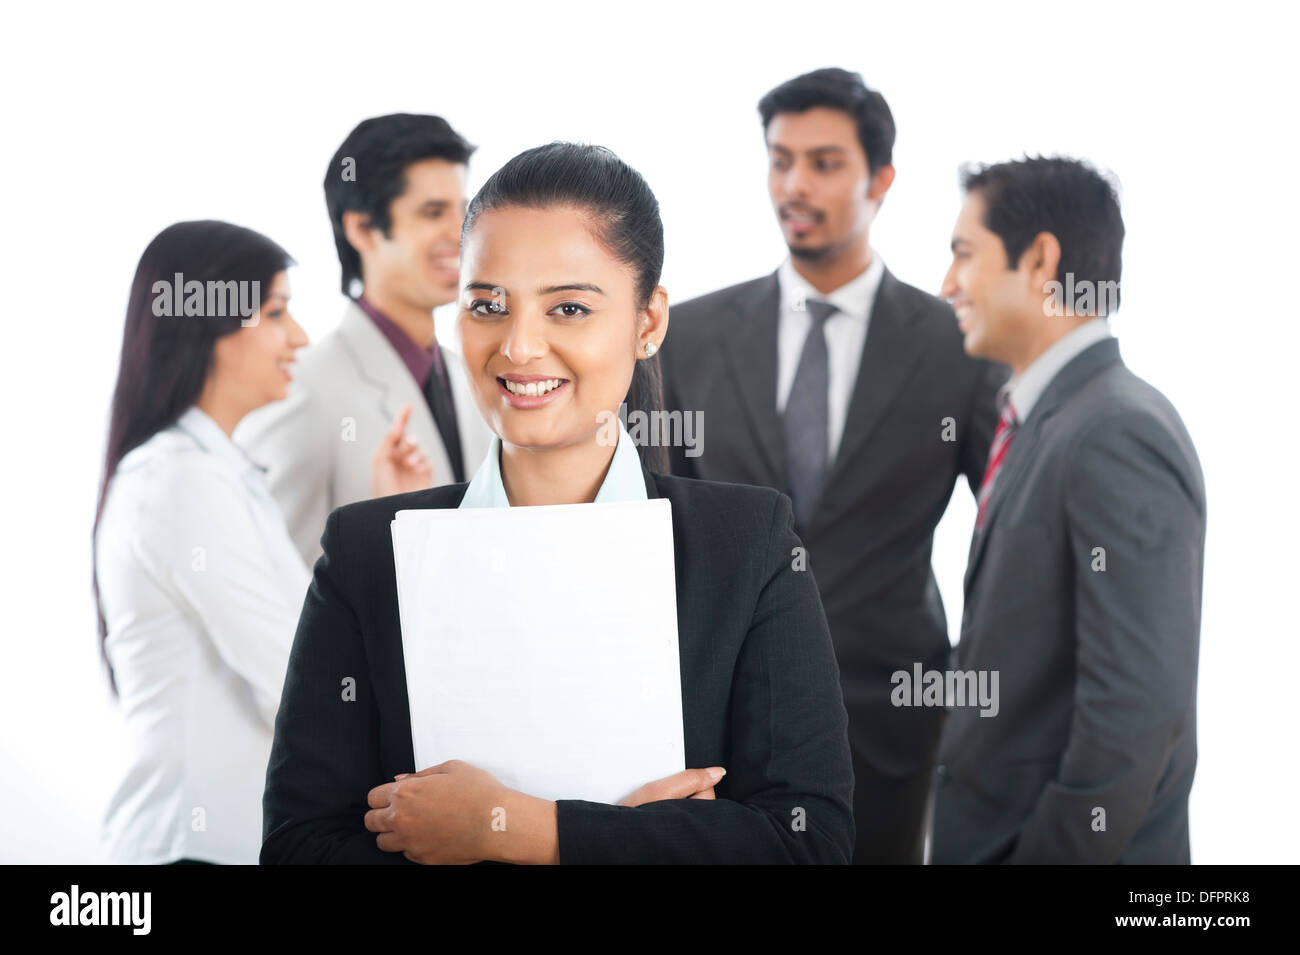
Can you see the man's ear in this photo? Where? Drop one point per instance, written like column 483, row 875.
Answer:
column 1041, row 262
column 356, row 226
column 880, row 182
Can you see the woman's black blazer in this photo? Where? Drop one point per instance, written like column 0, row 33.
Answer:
column 760, row 696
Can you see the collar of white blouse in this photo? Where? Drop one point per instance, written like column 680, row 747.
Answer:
column 624, row 481
column 209, row 437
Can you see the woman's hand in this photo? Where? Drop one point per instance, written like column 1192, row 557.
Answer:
column 444, row 815
column 398, row 465
column 688, row 784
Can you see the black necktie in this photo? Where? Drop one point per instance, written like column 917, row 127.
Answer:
column 805, row 422
column 438, row 395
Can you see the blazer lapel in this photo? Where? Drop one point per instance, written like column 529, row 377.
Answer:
column 651, row 487
column 750, row 336
column 889, row 355
column 1025, row 443
column 1014, row 465
column 383, row 370
column 475, row 436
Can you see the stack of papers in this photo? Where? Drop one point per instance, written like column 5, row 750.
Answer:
column 541, row 644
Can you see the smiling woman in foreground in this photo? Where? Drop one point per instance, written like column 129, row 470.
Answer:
column 561, row 313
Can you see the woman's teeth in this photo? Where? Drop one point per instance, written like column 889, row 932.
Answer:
column 532, row 388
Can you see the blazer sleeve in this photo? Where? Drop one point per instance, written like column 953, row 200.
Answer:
column 296, row 443
column 982, row 418
column 325, row 755
column 788, row 793
column 1131, row 492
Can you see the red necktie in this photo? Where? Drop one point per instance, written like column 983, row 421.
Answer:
column 1001, row 442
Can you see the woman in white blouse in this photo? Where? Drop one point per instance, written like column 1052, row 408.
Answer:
column 198, row 584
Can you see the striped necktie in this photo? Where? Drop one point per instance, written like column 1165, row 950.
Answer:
column 997, row 452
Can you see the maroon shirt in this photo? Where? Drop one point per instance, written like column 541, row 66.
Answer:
column 419, row 361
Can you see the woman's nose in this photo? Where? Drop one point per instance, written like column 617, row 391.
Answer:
column 525, row 339
column 297, row 335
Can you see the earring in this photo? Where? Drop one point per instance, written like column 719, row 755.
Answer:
column 650, row 349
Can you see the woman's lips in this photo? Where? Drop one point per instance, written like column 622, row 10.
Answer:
column 531, row 382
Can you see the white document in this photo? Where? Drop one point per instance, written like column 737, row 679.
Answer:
column 541, row 644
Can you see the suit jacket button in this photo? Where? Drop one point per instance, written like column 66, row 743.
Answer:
column 942, row 772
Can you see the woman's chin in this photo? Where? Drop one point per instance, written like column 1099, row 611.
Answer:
column 524, row 438
column 531, row 436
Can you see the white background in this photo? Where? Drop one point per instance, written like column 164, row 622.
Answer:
column 119, row 120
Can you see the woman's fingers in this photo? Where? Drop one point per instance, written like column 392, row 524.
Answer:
column 683, row 785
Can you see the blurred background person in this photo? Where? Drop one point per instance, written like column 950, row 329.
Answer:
column 395, row 192
column 836, row 383
column 197, row 583
column 1083, row 591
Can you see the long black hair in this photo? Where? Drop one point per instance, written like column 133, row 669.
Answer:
column 627, row 216
column 166, row 357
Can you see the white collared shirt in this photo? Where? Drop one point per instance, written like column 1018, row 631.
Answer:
column 1024, row 390
column 201, row 589
column 846, row 335
column 624, row 481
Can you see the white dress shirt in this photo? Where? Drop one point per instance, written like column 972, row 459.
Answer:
column 624, row 481
column 846, row 335
column 201, row 588
column 1024, row 390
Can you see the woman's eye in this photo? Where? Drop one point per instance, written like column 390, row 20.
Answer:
column 276, row 314
column 572, row 310
column 484, row 308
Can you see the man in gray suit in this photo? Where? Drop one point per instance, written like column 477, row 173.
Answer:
column 834, row 382
column 1083, row 590
column 395, row 192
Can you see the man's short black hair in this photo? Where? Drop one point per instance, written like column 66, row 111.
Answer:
column 1066, row 197
column 842, row 90
column 368, row 172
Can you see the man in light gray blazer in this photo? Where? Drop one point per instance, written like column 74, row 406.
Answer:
column 395, row 191
column 1083, row 590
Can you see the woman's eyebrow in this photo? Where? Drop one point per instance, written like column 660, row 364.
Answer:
column 547, row 290
column 575, row 287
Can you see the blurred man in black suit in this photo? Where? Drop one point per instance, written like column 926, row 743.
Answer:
column 847, row 389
